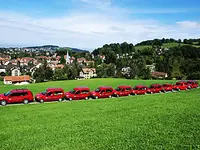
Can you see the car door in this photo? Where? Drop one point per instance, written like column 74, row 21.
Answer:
column 103, row 94
column 15, row 98
column 77, row 95
column 49, row 96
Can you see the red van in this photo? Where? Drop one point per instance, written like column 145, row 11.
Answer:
column 193, row 84
column 123, row 91
column 168, row 87
column 103, row 92
column 16, row 96
column 51, row 94
column 156, row 88
column 140, row 89
column 78, row 93
column 181, row 86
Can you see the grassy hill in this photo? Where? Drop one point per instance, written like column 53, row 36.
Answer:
column 160, row 121
column 165, row 45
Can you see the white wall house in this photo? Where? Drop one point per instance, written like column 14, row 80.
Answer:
column 88, row 73
column 15, row 72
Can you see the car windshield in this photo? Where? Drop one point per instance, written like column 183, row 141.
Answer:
column 118, row 89
column 72, row 91
column 97, row 90
column 136, row 88
column 8, row 93
column 44, row 93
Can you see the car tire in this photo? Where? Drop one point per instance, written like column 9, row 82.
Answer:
column 117, row 95
column 41, row 101
column 129, row 94
column 25, row 101
column 96, row 97
column 110, row 96
column 86, row 98
column 3, row 103
column 70, row 99
column 60, row 99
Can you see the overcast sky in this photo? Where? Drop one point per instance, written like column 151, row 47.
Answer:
column 90, row 24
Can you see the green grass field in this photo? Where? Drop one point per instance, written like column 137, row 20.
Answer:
column 160, row 121
column 165, row 45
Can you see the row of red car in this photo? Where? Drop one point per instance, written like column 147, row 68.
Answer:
column 57, row 94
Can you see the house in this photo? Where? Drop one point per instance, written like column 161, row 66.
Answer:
column 16, row 79
column 159, row 75
column 2, row 70
column 81, row 60
column 15, row 71
column 152, row 67
column 88, row 73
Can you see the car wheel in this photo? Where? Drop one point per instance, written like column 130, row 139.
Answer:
column 60, row 99
column 25, row 101
column 70, row 99
column 3, row 103
column 117, row 95
column 86, row 98
column 129, row 94
column 151, row 92
column 41, row 101
column 110, row 96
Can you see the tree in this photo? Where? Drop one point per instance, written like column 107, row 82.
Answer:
column 133, row 71
column 176, row 73
column 62, row 60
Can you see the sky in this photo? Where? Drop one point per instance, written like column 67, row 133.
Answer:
column 89, row 24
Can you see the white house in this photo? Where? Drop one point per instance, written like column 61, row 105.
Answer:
column 15, row 72
column 88, row 73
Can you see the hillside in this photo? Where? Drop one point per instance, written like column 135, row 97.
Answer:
column 165, row 45
column 159, row 121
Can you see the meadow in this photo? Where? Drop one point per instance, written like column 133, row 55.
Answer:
column 159, row 121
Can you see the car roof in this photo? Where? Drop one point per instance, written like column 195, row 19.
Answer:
column 20, row 90
column 81, row 88
column 167, row 84
column 141, row 86
column 124, row 86
column 156, row 85
column 55, row 89
column 105, row 87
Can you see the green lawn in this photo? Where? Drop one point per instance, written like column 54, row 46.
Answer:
column 160, row 121
column 165, row 45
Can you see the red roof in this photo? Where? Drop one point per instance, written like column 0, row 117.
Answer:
column 17, row 78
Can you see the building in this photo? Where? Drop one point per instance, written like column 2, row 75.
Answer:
column 15, row 71
column 88, row 73
column 2, row 70
column 159, row 75
column 16, row 79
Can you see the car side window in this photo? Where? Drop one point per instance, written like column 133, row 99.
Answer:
column 122, row 90
column 58, row 93
column 108, row 91
column 77, row 92
column 103, row 91
column 15, row 94
column 128, row 89
column 85, row 92
column 49, row 94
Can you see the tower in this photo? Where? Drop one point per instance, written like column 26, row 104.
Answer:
column 67, row 58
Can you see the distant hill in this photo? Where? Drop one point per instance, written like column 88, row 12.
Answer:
column 54, row 47
column 167, row 43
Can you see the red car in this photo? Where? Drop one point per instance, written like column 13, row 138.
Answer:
column 181, row 85
column 193, row 84
column 78, row 93
column 123, row 91
column 156, row 88
column 16, row 96
column 140, row 89
column 51, row 94
column 103, row 92
column 168, row 87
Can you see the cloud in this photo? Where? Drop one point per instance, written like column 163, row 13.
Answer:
column 88, row 30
